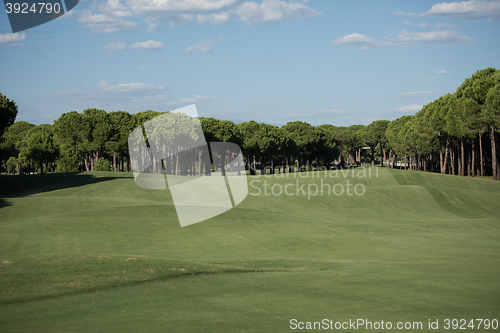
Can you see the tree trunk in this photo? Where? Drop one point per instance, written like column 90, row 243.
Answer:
column 452, row 160
column 473, row 167
column 373, row 156
column 462, row 166
column 199, row 163
column 441, row 162
column 444, row 166
column 86, row 162
column 177, row 164
column 481, row 153
column 223, row 163
column 494, row 165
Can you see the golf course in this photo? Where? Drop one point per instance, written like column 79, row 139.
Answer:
column 93, row 252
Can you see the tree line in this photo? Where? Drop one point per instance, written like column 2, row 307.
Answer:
column 455, row 134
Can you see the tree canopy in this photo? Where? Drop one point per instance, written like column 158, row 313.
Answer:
column 457, row 134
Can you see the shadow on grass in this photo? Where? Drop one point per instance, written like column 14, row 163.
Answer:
column 22, row 185
column 3, row 203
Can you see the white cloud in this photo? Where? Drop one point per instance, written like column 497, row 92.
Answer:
column 442, row 25
column 148, row 45
column 404, row 38
column 407, row 109
column 114, row 47
column 215, row 18
column 128, row 87
column 434, row 36
column 363, row 41
column 145, row 6
column 205, row 46
column 177, row 12
column 408, row 14
column 468, row 9
column 113, row 6
column 192, row 100
column 132, row 97
column 270, row 11
column 120, row 15
column 416, row 94
column 443, row 72
column 409, row 23
column 102, row 88
column 106, row 22
column 12, row 39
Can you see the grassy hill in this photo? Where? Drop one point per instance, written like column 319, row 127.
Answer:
column 92, row 252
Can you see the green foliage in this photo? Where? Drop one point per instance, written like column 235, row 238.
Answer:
column 397, row 133
column 68, row 159
column 459, row 118
column 39, row 146
column 121, row 125
column 216, row 130
column 8, row 112
column 39, row 171
column 491, row 113
column 11, row 164
column 100, row 128
column 71, row 129
column 375, row 133
column 102, row 164
column 307, row 138
column 13, row 137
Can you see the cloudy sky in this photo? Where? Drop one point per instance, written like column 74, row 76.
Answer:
column 323, row 62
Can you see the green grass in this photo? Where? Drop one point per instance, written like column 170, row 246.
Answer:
column 416, row 246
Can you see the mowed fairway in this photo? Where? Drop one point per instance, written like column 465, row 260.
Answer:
column 415, row 246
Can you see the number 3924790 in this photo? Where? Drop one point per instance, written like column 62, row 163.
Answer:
column 35, row 8
column 463, row 324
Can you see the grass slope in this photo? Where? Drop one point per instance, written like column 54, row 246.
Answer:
column 415, row 246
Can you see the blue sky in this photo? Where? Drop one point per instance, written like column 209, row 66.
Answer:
column 323, row 62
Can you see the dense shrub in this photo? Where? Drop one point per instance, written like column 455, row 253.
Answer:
column 102, row 164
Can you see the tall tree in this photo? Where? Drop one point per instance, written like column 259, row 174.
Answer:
column 8, row 113
column 476, row 88
column 374, row 135
column 73, row 130
column 250, row 133
column 39, row 146
column 307, row 139
column 98, row 135
column 12, row 138
column 121, row 125
column 491, row 114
